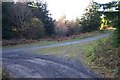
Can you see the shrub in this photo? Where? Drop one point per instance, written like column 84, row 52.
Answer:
column 34, row 29
column 5, row 74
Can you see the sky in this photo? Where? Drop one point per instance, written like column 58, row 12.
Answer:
column 70, row 8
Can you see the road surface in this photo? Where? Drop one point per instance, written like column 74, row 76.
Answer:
column 22, row 63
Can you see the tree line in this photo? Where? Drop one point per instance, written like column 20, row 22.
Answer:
column 30, row 20
column 26, row 20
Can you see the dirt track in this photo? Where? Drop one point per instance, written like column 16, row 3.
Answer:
column 21, row 63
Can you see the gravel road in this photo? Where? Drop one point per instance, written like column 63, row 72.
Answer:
column 22, row 63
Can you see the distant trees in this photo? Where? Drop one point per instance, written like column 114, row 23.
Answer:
column 90, row 21
column 33, row 18
column 73, row 27
column 61, row 27
column 67, row 28
column 21, row 19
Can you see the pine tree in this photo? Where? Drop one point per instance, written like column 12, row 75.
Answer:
column 91, row 19
column 41, row 12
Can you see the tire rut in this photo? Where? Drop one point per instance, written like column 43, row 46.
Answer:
column 24, row 64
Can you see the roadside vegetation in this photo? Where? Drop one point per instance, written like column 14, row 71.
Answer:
column 103, row 58
column 5, row 74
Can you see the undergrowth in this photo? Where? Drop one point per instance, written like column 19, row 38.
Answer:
column 5, row 74
column 104, row 58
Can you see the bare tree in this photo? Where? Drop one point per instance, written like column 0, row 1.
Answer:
column 20, row 14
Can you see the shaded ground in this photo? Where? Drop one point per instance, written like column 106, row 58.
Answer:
column 22, row 63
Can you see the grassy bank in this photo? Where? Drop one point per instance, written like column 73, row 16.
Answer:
column 103, row 58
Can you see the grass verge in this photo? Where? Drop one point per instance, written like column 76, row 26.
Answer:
column 103, row 58
column 70, row 51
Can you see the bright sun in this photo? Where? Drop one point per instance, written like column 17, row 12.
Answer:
column 70, row 8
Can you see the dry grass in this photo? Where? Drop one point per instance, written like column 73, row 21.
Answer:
column 103, row 58
column 71, row 51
